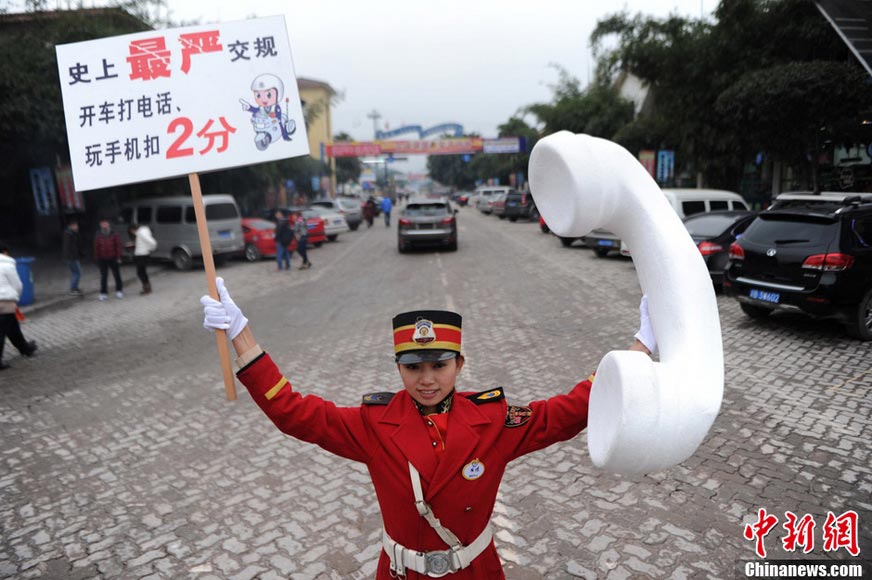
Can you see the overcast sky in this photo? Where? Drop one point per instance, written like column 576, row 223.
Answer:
column 474, row 62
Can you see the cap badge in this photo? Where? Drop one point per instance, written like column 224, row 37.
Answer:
column 473, row 470
column 424, row 332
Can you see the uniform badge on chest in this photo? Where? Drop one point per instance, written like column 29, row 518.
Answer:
column 473, row 470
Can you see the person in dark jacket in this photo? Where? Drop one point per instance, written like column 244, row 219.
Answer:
column 301, row 234
column 73, row 254
column 107, row 252
column 284, row 237
column 369, row 211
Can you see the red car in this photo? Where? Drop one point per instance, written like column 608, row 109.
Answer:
column 260, row 238
column 314, row 223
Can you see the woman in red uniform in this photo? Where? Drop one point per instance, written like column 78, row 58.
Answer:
column 436, row 456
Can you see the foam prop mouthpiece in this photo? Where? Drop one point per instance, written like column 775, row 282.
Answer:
column 644, row 416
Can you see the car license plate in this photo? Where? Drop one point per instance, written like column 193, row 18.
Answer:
column 605, row 243
column 512, row 204
column 225, row 235
column 311, row 226
column 337, row 222
column 772, row 297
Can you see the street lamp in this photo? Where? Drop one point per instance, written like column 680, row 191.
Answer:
column 375, row 116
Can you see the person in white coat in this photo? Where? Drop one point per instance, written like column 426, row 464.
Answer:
column 144, row 244
column 10, row 293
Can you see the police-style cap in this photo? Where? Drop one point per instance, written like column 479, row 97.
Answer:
column 426, row 336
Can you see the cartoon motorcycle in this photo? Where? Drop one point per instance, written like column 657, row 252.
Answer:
column 270, row 123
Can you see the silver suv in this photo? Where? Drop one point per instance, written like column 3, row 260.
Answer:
column 348, row 207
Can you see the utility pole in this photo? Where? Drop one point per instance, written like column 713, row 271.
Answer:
column 375, row 116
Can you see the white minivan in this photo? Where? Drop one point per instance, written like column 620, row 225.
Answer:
column 685, row 202
column 174, row 226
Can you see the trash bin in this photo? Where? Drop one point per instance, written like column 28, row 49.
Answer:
column 26, row 275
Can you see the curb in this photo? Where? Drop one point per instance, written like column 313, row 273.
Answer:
column 59, row 301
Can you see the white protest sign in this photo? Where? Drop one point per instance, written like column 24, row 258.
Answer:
column 166, row 103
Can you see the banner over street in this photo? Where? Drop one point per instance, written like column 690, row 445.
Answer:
column 167, row 103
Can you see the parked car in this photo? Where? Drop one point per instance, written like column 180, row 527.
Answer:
column 425, row 222
column 497, row 205
column 520, row 205
column 462, row 198
column 314, row 222
column 484, row 193
column 713, row 233
column 812, row 255
column 260, row 238
column 334, row 223
column 685, row 202
column 348, row 207
column 174, row 225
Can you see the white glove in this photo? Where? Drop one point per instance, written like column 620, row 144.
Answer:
column 245, row 105
column 646, row 333
column 223, row 315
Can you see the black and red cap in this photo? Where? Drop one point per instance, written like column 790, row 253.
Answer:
column 426, row 336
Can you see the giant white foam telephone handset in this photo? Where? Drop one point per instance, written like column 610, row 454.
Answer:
column 644, row 415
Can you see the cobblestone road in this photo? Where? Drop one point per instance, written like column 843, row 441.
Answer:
column 119, row 457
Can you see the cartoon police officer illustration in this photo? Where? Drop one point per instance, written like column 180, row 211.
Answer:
column 435, row 455
column 270, row 123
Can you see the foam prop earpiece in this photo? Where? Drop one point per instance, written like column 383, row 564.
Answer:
column 644, row 416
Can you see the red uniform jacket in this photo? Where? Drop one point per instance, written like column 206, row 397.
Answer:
column 387, row 436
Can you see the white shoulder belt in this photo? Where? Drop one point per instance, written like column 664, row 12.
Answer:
column 438, row 563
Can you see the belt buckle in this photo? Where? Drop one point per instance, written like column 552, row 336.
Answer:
column 438, row 564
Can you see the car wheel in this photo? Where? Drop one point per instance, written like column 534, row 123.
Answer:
column 861, row 326
column 219, row 261
column 544, row 228
column 601, row 252
column 252, row 254
column 354, row 227
column 318, row 244
column 755, row 311
column 182, row 260
column 566, row 242
column 452, row 247
column 502, row 217
column 401, row 247
column 513, row 219
column 332, row 237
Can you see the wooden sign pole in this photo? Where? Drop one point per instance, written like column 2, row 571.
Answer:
column 209, row 265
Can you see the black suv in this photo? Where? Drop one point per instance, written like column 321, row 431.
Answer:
column 807, row 252
column 520, row 205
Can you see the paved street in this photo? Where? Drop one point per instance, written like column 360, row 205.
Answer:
column 120, row 457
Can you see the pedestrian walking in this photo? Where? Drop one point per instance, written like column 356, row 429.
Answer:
column 143, row 245
column 283, row 237
column 386, row 206
column 73, row 253
column 435, row 455
column 10, row 294
column 369, row 211
column 107, row 252
column 301, row 233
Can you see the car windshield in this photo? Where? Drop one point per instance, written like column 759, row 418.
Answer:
column 792, row 229
column 308, row 214
column 260, row 224
column 348, row 204
column 328, row 204
column 426, row 209
column 709, row 226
